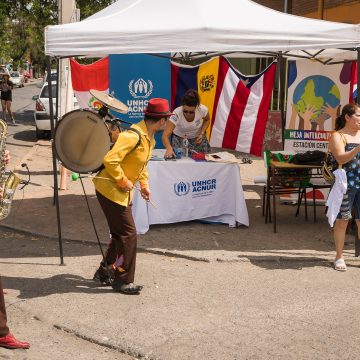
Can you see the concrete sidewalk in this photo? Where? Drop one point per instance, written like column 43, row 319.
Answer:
column 33, row 212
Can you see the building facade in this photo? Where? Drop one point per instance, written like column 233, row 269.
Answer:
column 346, row 11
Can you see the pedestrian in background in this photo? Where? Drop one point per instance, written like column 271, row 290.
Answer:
column 6, row 87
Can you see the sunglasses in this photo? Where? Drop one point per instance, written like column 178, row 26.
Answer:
column 188, row 112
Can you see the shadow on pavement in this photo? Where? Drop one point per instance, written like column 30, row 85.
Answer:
column 295, row 234
column 58, row 284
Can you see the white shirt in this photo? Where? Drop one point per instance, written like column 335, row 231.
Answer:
column 336, row 195
column 183, row 127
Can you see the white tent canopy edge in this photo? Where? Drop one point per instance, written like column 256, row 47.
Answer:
column 158, row 26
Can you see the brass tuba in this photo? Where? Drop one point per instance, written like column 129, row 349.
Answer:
column 8, row 184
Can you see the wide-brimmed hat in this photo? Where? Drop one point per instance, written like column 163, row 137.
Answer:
column 158, row 107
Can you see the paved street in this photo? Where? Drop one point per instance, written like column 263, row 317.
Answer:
column 188, row 309
column 210, row 292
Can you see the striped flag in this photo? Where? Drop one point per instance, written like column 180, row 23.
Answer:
column 241, row 108
column 202, row 78
column 353, row 83
column 238, row 104
column 86, row 77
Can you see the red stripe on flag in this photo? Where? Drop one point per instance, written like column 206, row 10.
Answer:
column 93, row 76
column 223, row 69
column 353, row 80
column 174, row 80
column 259, row 130
column 236, row 113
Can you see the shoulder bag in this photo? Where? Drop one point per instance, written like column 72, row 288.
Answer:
column 330, row 164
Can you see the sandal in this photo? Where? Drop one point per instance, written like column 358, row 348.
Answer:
column 340, row 265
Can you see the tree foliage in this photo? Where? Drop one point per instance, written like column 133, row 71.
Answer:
column 22, row 24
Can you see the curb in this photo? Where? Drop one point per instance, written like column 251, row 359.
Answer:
column 174, row 254
column 128, row 349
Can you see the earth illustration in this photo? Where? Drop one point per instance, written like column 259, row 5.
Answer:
column 316, row 91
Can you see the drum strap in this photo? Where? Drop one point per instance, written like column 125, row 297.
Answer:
column 139, row 134
column 137, row 144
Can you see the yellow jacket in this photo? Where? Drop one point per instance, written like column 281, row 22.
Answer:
column 122, row 162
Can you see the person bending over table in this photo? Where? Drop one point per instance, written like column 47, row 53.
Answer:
column 190, row 120
column 347, row 128
column 124, row 166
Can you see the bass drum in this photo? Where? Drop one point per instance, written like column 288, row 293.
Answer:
column 81, row 141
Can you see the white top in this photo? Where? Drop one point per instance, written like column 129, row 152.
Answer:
column 336, row 195
column 183, row 127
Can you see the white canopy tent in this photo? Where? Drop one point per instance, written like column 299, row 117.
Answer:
column 193, row 26
column 157, row 26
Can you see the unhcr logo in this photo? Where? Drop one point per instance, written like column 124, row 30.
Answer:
column 140, row 88
column 182, row 188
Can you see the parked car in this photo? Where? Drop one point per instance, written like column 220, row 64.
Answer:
column 42, row 109
column 17, row 79
column 53, row 77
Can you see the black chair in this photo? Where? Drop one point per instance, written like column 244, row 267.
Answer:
column 314, row 184
column 284, row 181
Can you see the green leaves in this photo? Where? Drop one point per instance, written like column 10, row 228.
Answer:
column 22, row 24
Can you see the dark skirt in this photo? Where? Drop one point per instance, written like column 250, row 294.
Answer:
column 203, row 146
column 6, row 95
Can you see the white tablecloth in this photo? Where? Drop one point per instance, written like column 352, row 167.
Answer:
column 186, row 190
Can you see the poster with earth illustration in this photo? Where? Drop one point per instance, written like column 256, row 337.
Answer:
column 316, row 93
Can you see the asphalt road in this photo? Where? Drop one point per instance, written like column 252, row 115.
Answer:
column 291, row 309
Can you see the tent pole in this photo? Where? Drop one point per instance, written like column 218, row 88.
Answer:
column 56, row 188
column 358, row 76
column 282, row 70
column 56, row 108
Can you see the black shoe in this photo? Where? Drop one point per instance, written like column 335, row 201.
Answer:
column 128, row 289
column 103, row 277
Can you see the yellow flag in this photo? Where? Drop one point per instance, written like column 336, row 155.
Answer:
column 207, row 80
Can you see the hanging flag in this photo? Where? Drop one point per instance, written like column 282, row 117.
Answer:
column 202, row 78
column 353, row 84
column 241, row 108
column 86, row 77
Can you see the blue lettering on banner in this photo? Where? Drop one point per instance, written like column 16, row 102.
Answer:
column 198, row 187
column 204, row 185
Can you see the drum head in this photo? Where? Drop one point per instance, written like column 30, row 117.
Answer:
column 81, row 141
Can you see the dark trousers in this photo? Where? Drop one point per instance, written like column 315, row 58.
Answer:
column 4, row 330
column 121, row 252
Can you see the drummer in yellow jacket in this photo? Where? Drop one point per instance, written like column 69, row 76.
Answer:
column 124, row 166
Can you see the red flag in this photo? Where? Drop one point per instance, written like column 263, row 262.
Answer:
column 86, row 77
column 353, row 82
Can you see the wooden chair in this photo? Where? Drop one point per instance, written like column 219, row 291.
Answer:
column 284, row 179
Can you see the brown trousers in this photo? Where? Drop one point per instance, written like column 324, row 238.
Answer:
column 4, row 330
column 121, row 251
